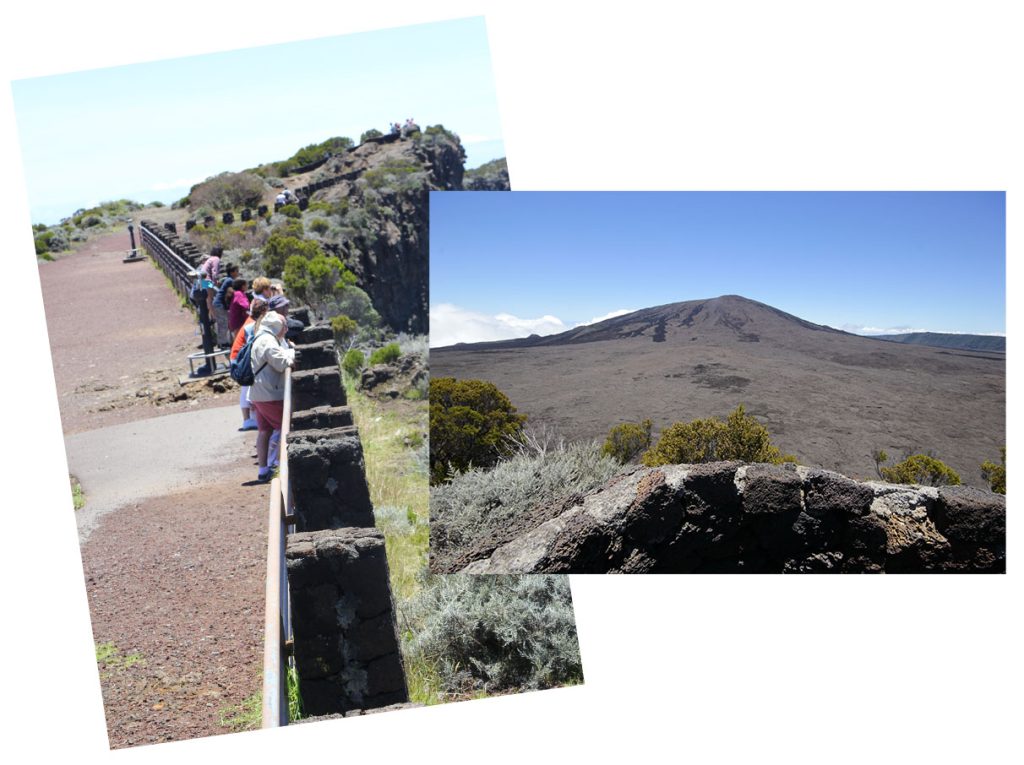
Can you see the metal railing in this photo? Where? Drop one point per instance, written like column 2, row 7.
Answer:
column 180, row 272
column 277, row 646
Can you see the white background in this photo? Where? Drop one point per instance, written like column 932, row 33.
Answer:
column 726, row 95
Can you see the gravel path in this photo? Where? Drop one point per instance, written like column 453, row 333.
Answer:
column 173, row 531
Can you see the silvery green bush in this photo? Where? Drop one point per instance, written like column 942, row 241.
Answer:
column 477, row 503
column 495, row 633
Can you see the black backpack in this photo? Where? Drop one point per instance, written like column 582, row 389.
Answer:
column 241, row 367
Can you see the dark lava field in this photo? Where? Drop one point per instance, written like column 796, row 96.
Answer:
column 829, row 397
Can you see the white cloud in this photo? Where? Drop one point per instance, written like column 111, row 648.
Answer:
column 859, row 330
column 450, row 324
column 610, row 315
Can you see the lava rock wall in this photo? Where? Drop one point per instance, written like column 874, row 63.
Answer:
column 346, row 641
column 728, row 517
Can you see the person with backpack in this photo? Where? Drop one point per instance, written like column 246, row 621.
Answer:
column 259, row 308
column 270, row 357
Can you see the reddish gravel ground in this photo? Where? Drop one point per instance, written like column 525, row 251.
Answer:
column 175, row 583
column 119, row 339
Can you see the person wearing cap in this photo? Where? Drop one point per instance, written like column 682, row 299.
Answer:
column 270, row 359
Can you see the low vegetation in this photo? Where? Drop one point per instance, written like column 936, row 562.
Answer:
column 738, row 437
column 471, row 422
column 228, row 191
column 995, row 474
column 627, row 440
column 460, row 638
column 921, row 469
column 479, row 503
column 110, row 659
column 77, row 495
column 495, row 633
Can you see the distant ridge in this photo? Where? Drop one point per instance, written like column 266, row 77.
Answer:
column 731, row 314
column 992, row 343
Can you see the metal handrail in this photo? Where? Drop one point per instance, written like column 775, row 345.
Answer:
column 179, row 270
column 277, row 619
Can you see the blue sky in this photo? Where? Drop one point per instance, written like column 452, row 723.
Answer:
column 506, row 265
column 91, row 136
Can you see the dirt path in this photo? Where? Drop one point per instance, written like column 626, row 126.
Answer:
column 175, row 587
column 173, row 530
column 119, row 338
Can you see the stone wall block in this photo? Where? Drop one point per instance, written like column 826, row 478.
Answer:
column 346, row 641
column 317, row 387
column 327, row 479
column 322, row 418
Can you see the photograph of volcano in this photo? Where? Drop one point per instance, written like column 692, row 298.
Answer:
column 771, row 382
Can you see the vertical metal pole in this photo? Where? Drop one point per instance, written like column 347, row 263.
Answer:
column 131, row 233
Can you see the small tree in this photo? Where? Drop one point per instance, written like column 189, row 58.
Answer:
column 371, row 133
column 995, row 474
column 921, row 469
column 739, row 437
column 879, row 456
column 470, row 422
column 344, row 329
column 626, row 440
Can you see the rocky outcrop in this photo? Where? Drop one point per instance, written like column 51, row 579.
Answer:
column 384, row 185
column 730, row 517
column 492, row 176
column 397, row 379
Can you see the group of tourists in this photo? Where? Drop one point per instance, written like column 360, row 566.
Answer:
column 286, row 197
column 253, row 319
column 408, row 128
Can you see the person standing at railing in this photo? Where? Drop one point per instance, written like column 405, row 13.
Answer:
column 256, row 312
column 239, row 307
column 270, row 359
column 279, row 304
column 220, row 307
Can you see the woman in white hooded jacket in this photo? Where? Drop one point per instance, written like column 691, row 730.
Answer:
column 270, row 358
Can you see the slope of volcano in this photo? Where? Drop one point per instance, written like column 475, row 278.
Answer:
column 829, row 397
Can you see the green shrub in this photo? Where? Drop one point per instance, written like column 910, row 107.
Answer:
column 319, row 225
column 291, row 211
column 494, row 633
column 227, row 191
column 921, row 469
column 353, row 362
column 389, row 353
column 739, row 437
column 290, row 227
column 995, row 474
column 280, row 247
column 371, row 133
column 470, row 424
column 344, row 329
column 90, row 221
column 156, row 204
column 626, row 440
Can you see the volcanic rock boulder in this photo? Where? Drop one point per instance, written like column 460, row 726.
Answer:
column 730, row 517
